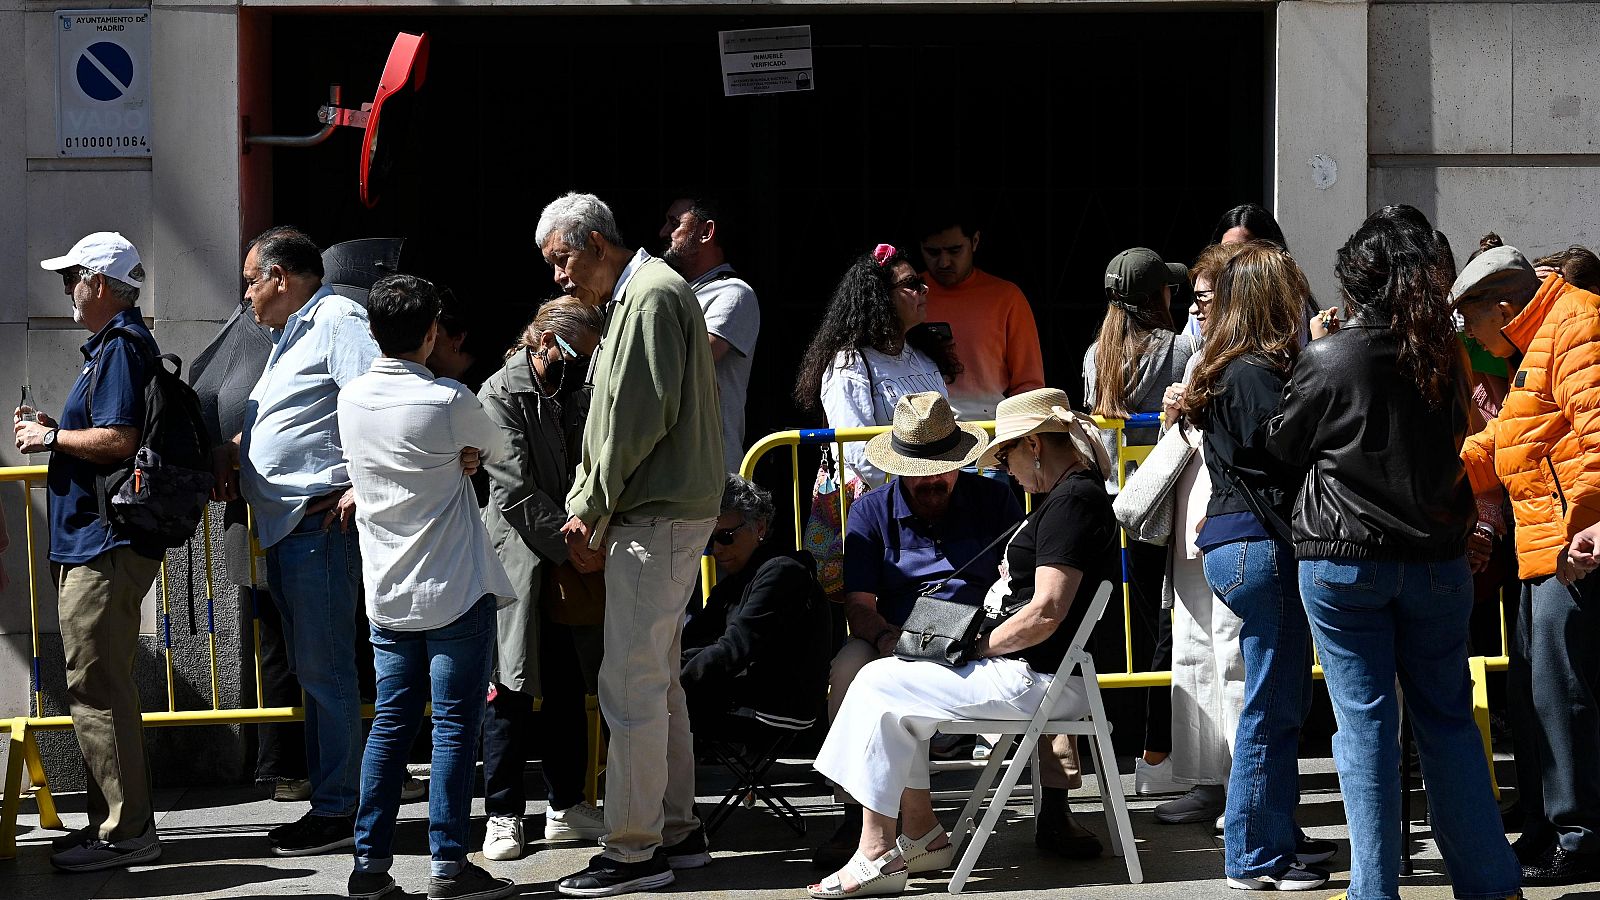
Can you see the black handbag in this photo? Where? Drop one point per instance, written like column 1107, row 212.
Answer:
column 944, row 631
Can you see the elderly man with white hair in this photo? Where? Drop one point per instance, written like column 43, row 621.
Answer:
column 647, row 492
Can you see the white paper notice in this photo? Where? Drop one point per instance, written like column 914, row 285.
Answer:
column 766, row 60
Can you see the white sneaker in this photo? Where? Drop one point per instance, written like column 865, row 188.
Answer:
column 503, row 838
column 1156, row 779
column 1219, row 825
column 578, row 822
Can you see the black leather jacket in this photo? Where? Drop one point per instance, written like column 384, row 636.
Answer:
column 1382, row 470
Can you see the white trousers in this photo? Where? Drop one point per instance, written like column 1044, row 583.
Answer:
column 878, row 745
column 1207, row 677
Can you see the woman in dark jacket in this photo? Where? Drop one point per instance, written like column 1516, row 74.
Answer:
column 1252, row 338
column 1375, row 417
column 760, row 648
column 547, row 650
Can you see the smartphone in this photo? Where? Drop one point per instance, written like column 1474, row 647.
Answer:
column 940, row 331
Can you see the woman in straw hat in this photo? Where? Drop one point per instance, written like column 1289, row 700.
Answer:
column 877, row 747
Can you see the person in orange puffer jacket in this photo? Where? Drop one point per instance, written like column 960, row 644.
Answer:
column 1544, row 448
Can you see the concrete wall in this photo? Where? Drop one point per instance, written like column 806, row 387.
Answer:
column 1486, row 116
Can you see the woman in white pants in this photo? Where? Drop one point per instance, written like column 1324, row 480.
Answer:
column 1207, row 665
column 877, row 747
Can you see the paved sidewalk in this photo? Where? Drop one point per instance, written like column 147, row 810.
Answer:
column 215, row 847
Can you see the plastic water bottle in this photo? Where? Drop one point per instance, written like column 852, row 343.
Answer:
column 29, row 411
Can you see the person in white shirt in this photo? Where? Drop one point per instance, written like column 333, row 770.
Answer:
column 433, row 584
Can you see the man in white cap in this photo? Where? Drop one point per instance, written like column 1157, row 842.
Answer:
column 102, row 573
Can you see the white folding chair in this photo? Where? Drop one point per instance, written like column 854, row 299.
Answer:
column 1094, row 725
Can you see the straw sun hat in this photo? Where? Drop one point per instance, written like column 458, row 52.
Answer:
column 1043, row 410
column 926, row 438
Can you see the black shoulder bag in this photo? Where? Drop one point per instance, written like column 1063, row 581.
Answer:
column 944, row 631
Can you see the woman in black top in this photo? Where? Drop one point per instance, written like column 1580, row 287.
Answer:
column 1252, row 339
column 1374, row 419
column 877, row 747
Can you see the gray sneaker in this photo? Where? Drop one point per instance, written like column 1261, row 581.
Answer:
column 471, row 883
column 94, row 854
column 1203, row 803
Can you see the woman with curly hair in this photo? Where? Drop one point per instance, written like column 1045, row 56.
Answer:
column 1371, row 428
column 868, row 351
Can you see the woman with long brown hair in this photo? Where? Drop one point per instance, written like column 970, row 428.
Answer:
column 1126, row 371
column 1252, row 340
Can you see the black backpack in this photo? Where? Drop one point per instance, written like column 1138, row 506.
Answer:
column 157, row 497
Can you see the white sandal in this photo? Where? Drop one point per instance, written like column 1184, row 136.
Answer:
column 920, row 859
column 871, row 880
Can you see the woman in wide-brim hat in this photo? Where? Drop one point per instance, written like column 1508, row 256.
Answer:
column 877, row 747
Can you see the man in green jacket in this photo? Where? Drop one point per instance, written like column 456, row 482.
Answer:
column 648, row 489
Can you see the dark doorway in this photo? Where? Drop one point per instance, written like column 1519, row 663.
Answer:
column 1075, row 135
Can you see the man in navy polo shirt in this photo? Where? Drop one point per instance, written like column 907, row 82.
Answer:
column 912, row 533
column 102, row 575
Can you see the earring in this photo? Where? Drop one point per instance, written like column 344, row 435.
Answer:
column 1036, row 463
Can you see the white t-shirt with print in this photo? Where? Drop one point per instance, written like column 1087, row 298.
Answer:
column 861, row 388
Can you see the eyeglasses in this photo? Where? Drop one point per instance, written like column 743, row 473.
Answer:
column 71, row 277
column 1203, row 297
column 259, row 281
column 725, row 536
column 914, row 284
column 1001, row 456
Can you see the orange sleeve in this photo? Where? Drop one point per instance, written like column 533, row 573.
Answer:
column 1576, row 382
column 1024, row 359
column 1477, row 454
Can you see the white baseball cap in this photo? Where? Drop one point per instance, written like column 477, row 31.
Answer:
column 103, row 253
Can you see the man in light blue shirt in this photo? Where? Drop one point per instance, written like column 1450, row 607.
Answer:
column 294, row 474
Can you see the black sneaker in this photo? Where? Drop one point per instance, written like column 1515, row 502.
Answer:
column 1560, row 866
column 837, row 850
column 1530, row 847
column 1311, row 851
column 314, row 834
column 1056, row 831
column 690, row 853
column 607, row 877
column 1203, row 803
column 369, row 885
column 93, row 854
column 1298, row 877
column 471, row 883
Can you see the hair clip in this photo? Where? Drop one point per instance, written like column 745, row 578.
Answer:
column 883, row 252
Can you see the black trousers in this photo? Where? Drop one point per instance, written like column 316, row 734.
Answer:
column 1152, row 637
column 557, row 734
column 280, row 749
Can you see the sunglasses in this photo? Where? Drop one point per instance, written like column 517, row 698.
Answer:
column 914, row 284
column 1001, row 456
column 71, row 277
column 725, row 536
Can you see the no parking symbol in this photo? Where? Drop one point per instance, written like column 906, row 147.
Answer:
column 103, row 82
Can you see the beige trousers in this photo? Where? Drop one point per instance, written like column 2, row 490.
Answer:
column 99, row 610
column 651, row 565
column 1058, row 753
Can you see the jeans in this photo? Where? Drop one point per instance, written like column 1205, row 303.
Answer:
column 1256, row 579
column 1374, row 621
column 450, row 665
column 316, row 576
column 1553, row 680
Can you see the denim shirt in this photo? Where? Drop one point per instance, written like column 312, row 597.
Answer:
column 290, row 449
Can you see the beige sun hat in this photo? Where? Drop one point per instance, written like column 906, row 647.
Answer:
column 926, row 439
column 1042, row 410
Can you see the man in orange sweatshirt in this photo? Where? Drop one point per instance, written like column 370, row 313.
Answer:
column 989, row 319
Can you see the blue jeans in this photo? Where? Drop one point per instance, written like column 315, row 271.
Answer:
column 1555, row 680
column 316, row 579
column 1256, row 579
column 451, row 666
column 1374, row 621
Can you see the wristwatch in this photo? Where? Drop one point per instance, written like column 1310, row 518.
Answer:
column 50, row 440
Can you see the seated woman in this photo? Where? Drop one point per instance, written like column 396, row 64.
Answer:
column 877, row 747
column 759, row 650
